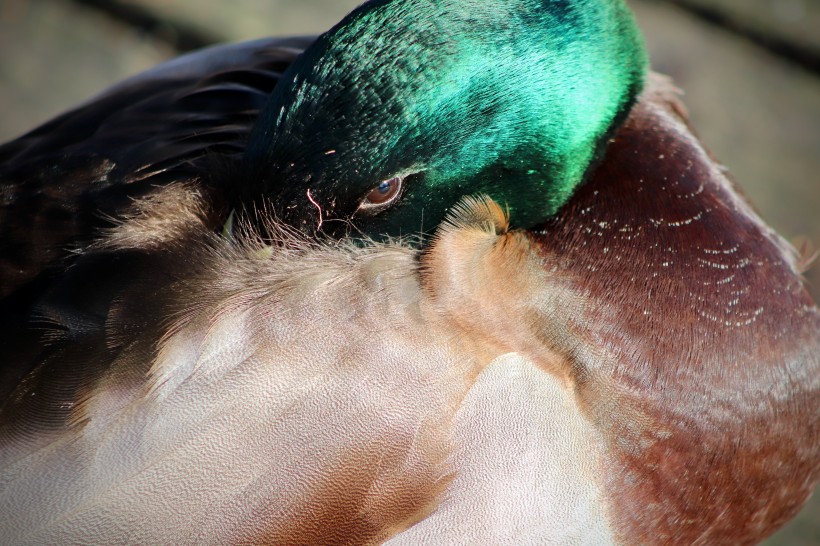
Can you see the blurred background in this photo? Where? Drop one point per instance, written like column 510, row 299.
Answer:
column 750, row 70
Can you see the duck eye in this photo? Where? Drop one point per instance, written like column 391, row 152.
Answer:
column 382, row 195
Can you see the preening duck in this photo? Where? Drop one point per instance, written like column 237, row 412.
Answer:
column 404, row 106
column 638, row 364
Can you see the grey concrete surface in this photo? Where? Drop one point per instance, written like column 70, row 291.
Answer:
column 797, row 21
column 55, row 54
column 759, row 113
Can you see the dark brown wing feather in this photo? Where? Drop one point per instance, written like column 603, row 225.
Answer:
column 65, row 182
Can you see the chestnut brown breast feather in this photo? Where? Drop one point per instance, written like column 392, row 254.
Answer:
column 696, row 345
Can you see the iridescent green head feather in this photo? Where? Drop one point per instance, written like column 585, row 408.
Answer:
column 443, row 98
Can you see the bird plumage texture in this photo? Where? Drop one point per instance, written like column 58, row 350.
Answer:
column 66, row 180
column 640, row 365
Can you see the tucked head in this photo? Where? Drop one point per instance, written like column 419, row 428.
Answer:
column 407, row 105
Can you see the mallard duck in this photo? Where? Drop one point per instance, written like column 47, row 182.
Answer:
column 421, row 105
column 635, row 362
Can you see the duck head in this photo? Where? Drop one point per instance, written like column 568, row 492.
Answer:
column 408, row 105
